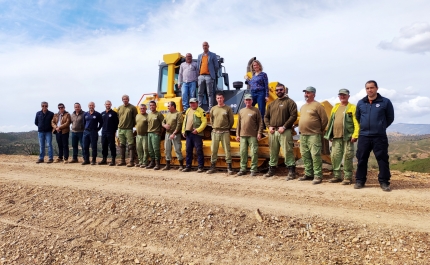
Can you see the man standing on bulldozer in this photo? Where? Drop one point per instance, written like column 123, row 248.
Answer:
column 208, row 66
column 279, row 118
column 127, row 120
column 222, row 119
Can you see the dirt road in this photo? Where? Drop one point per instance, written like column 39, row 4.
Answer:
column 74, row 214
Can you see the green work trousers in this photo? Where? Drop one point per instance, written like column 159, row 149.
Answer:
column 176, row 142
column 310, row 148
column 142, row 148
column 154, row 146
column 284, row 141
column 126, row 136
column 224, row 138
column 342, row 150
column 252, row 143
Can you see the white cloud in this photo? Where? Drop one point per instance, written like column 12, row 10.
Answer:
column 326, row 44
column 413, row 39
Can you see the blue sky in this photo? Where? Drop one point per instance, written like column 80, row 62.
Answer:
column 68, row 51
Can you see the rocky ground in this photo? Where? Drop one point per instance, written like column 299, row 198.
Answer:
column 74, row 214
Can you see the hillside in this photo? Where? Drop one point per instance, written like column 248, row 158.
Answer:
column 409, row 129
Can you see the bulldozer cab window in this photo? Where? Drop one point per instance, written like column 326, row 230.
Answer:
column 163, row 83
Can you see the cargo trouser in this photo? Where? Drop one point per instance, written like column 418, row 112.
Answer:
column 126, row 137
column 154, row 146
column 224, row 138
column 142, row 148
column 286, row 143
column 310, row 148
column 250, row 141
column 342, row 150
column 176, row 142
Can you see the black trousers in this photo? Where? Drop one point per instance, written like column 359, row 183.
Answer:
column 63, row 145
column 108, row 140
column 379, row 146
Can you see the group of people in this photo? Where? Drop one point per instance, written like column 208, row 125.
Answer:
column 365, row 122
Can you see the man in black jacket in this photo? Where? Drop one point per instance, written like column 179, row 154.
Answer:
column 110, row 125
column 44, row 128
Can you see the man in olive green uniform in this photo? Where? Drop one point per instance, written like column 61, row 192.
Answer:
column 173, row 125
column 155, row 118
column 279, row 118
column 222, row 121
column 342, row 130
column 249, row 119
column 312, row 123
column 127, row 120
column 142, row 136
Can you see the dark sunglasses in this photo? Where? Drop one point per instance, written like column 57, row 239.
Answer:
column 281, row 89
column 60, row 107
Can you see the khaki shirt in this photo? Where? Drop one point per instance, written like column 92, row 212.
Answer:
column 174, row 119
column 142, row 124
column 313, row 119
column 127, row 116
column 249, row 122
column 222, row 118
column 154, row 122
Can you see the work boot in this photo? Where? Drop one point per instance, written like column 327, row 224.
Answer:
column 167, row 167
column 306, row 178
column 112, row 162
column 86, row 162
column 103, row 162
column 229, row 169
column 335, row 180
column 358, row 185
column 241, row 173
column 212, row 169
column 181, row 164
column 385, row 187
column 145, row 164
column 93, row 161
column 151, row 164
column 122, row 152
column 131, row 151
column 74, row 160
column 187, row 169
column 157, row 164
column 270, row 173
column 291, row 173
column 50, row 161
column 346, row 182
column 39, row 161
column 58, row 160
column 66, row 161
column 200, row 170
column 253, row 174
column 317, row 180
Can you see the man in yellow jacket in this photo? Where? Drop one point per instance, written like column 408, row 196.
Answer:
column 192, row 129
column 342, row 130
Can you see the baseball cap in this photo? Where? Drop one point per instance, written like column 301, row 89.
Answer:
column 193, row 100
column 344, row 91
column 310, row 89
column 248, row 96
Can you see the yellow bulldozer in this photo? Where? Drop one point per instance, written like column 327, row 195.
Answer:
column 168, row 91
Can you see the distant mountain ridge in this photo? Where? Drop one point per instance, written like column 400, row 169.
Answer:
column 409, row 129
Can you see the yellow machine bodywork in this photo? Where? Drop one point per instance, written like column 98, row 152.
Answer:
column 171, row 61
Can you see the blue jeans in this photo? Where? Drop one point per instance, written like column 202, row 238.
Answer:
column 188, row 91
column 63, row 145
column 45, row 136
column 379, row 146
column 194, row 141
column 259, row 97
column 77, row 137
column 90, row 138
